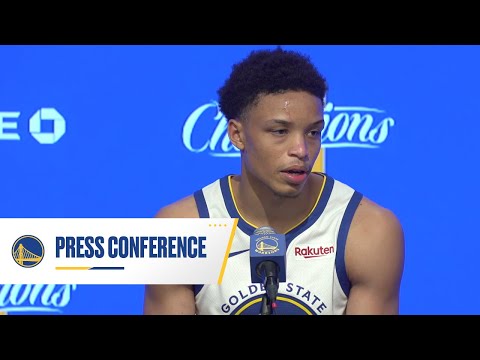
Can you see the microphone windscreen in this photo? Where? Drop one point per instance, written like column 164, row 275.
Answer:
column 267, row 245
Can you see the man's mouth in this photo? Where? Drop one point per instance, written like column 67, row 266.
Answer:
column 295, row 175
column 295, row 172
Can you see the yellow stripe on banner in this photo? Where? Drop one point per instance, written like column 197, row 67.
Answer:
column 319, row 165
column 227, row 252
column 72, row 267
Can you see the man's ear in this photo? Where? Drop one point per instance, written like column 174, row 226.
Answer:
column 235, row 133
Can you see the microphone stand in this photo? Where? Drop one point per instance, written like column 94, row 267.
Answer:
column 270, row 296
column 266, row 308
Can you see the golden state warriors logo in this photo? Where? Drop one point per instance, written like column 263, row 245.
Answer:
column 28, row 251
column 266, row 245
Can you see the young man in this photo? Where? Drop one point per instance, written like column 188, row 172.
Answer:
column 274, row 101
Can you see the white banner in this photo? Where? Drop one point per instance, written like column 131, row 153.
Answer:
column 114, row 250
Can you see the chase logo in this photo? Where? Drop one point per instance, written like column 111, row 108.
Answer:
column 28, row 251
column 266, row 245
column 46, row 125
column 47, row 114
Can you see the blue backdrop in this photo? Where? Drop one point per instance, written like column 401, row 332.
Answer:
column 141, row 129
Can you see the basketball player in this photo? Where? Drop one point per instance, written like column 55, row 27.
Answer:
column 345, row 253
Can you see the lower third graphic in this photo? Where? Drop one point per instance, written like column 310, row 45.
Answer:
column 89, row 268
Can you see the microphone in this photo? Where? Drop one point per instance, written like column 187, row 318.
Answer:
column 267, row 260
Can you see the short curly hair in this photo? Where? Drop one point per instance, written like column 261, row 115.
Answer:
column 265, row 72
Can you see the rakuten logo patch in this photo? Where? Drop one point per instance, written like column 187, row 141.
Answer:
column 314, row 252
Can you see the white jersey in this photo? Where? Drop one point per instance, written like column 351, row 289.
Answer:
column 316, row 281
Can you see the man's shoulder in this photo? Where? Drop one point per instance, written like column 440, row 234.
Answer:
column 187, row 206
column 375, row 225
column 183, row 208
column 370, row 215
column 368, row 211
column 374, row 257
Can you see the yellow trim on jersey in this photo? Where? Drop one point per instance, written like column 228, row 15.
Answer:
column 242, row 309
column 247, row 305
column 235, row 203
column 295, row 303
column 314, row 206
column 310, row 213
column 227, row 252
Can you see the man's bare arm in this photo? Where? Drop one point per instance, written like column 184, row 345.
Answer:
column 169, row 300
column 172, row 299
column 374, row 259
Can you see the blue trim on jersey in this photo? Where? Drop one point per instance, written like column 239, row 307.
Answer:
column 342, row 240
column 316, row 213
column 237, row 253
column 197, row 288
column 201, row 204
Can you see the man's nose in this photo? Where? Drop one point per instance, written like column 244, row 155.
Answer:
column 299, row 147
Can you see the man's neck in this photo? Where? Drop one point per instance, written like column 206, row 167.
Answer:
column 259, row 206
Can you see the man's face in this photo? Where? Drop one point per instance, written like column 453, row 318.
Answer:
column 282, row 140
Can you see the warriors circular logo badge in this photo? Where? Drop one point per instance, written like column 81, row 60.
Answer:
column 28, row 251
